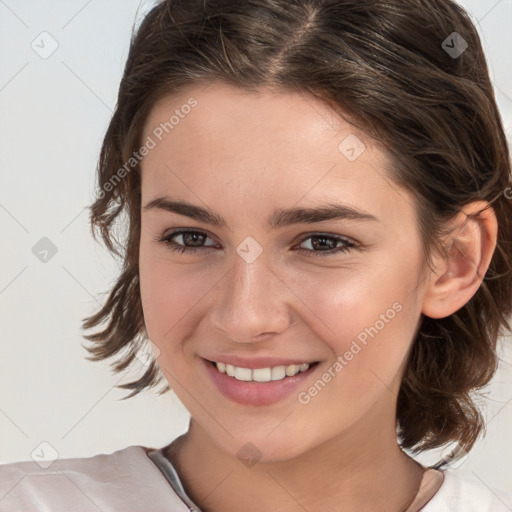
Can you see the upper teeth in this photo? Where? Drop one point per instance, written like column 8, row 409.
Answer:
column 261, row 374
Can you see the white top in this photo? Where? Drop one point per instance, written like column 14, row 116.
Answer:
column 142, row 479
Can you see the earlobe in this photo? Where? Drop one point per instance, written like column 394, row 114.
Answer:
column 459, row 272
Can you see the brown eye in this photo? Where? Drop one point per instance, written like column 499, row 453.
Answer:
column 188, row 240
column 319, row 241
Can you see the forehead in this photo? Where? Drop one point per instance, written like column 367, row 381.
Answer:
column 221, row 121
column 218, row 108
column 283, row 147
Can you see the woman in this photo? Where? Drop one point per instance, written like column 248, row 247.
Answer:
column 318, row 248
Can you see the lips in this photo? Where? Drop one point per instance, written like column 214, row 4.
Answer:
column 253, row 392
column 256, row 362
column 261, row 374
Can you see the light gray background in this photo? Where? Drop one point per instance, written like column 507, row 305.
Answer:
column 53, row 115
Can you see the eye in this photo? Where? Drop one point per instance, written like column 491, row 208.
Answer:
column 319, row 240
column 187, row 236
column 192, row 240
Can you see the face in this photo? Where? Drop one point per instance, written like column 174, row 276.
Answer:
column 273, row 235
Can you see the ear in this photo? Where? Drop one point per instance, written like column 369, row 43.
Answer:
column 457, row 275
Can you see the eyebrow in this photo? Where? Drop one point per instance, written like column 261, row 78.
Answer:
column 279, row 218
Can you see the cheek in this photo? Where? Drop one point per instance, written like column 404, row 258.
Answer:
column 342, row 302
column 367, row 318
column 171, row 297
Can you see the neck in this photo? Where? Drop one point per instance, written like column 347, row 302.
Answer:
column 335, row 475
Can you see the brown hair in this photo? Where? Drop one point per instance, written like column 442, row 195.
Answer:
column 386, row 64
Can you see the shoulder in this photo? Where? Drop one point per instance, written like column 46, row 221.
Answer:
column 463, row 494
column 123, row 480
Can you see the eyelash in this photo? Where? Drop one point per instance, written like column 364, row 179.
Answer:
column 167, row 240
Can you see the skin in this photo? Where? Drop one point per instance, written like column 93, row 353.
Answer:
column 243, row 156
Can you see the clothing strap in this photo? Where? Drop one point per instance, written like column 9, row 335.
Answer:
column 430, row 483
column 167, row 469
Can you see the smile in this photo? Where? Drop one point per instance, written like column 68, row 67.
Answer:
column 260, row 374
column 269, row 381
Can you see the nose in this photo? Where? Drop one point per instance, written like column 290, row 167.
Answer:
column 252, row 302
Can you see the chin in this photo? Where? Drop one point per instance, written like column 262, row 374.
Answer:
column 261, row 449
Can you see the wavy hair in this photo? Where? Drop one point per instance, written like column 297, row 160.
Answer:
column 390, row 66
